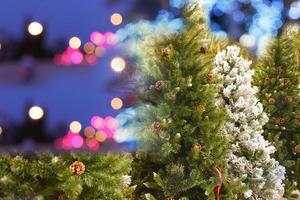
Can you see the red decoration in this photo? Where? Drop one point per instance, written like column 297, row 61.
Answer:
column 217, row 189
column 156, row 127
column 286, row 81
column 271, row 101
column 77, row 168
column 280, row 121
column 159, row 85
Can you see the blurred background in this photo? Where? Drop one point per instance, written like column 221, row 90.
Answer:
column 63, row 79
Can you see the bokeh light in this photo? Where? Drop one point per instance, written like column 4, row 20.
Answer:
column 118, row 64
column 89, row 132
column 92, row 144
column 101, row 136
column 97, row 38
column 97, row 122
column 111, row 123
column 89, row 48
column 77, row 141
column 36, row 112
column 100, row 51
column 111, row 38
column 116, row 103
column 76, row 57
column 74, row 42
column 116, row 19
column 248, row 40
column 75, row 127
column 1, row 130
column 35, row 28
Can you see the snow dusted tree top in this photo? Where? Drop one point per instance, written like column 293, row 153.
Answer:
column 249, row 157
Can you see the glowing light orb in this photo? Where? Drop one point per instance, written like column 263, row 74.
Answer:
column 121, row 136
column 89, row 48
column 101, row 136
column 116, row 19
column 76, row 57
column 118, row 64
column 247, row 40
column 116, row 103
column 74, row 42
column 111, row 38
column 75, row 127
column 35, row 28
column 89, row 132
column 97, row 122
column 93, row 144
column 77, row 141
column 36, row 113
column 97, row 38
column 111, row 123
column 100, row 51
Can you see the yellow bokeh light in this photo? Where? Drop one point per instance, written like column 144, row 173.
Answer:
column 116, row 19
column 74, row 42
column 116, row 103
column 89, row 132
column 36, row 113
column 118, row 64
column 35, row 28
column 75, row 127
column 101, row 136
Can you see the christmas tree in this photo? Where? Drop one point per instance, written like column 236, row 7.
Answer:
column 181, row 147
column 69, row 176
column 277, row 76
column 249, row 156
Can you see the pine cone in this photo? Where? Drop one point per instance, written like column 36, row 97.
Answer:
column 271, row 101
column 297, row 149
column 201, row 108
column 279, row 70
column 156, row 127
column 280, row 121
column 77, row 168
column 159, row 85
column 288, row 99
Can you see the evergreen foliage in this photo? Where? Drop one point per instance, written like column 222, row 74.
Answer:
column 278, row 75
column 181, row 148
column 249, row 156
column 45, row 176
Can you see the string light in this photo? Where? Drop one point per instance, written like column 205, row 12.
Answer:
column 74, row 42
column 118, row 64
column 116, row 103
column 36, row 112
column 35, row 28
column 116, row 19
column 75, row 127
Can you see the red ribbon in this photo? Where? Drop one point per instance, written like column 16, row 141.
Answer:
column 217, row 189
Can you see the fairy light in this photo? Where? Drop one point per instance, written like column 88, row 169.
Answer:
column 36, row 112
column 75, row 127
column 116, row 19
column 35, row 28
column 74, row 42
column 118, row 64
column 116, row 103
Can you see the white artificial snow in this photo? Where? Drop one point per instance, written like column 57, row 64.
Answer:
column 249, row 155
